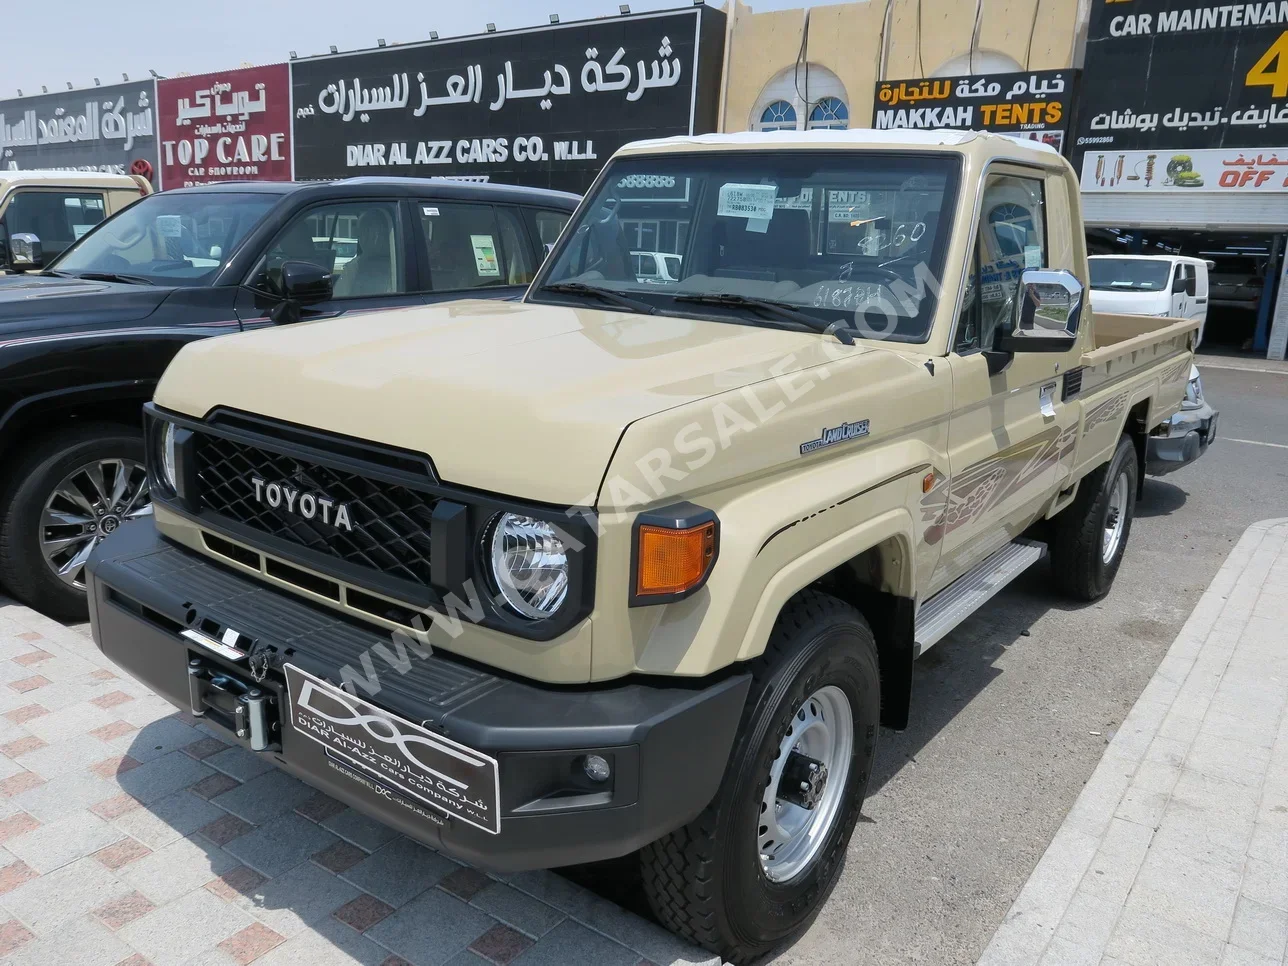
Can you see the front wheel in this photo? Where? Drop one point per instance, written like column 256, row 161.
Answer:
column 1090, row 535
column 758, row 863
column 68, row 493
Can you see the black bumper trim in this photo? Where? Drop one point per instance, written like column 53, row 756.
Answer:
column 669, row 744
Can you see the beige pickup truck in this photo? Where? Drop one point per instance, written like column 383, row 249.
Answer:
column 44, row 212
column 641, row 566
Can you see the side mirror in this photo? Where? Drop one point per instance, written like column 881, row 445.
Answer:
column 1179, row 285
column 1048, row 308
column 306, row 283
column 25, row 252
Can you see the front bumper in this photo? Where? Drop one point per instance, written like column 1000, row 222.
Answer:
column 667, row 744
column 1188, row 435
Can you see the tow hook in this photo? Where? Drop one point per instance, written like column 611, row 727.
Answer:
column 244, row 709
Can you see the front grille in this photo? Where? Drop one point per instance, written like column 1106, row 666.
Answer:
column 391, row 522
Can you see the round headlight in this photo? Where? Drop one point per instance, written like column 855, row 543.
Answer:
column 529, row 564
column 169, row 475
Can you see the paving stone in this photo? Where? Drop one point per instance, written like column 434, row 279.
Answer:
column 176, row 870
column 18, row 824
column 13, row 936
column 121, row 912
column 327, row 943
column 265, row 796
column 204, row 747
column 363, row 912
column 239, row 881
column 171, row 934
column 319, row 808
column 22, row 746
column 1181, row 888
column 465, row 883
column 56, row 844
column 214, row 785
column 250, row 943
column 292, row 902
column 400, row 871
column 456, row 925
column 572, row 944
column 114, row 807
column 1267, row 883
column 26, row 713
column 362, row 830
column 341, row 857
column 112, row 699
column 72, row 891
column 113, row 731
column 280, row 844
column 1234, row 956
column 122, row 853
column 15, row 785
column 158, row 738
column 224, row 829
column 114, row 767
column 1143, row 939
column 501, row 945
column 15, row 874
column 165, row 820
column 81, row 942
column 239, row 763
column 162, row 776
column 517, row 909
column 637, row 934
column 1260, row 928
column 66, row 723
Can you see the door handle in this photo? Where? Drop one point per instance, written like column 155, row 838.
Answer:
column 1046, row 399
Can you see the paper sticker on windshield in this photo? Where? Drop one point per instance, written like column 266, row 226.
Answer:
column 747, row 201
column 169, row 226
column 485, row 260
column 1032, row 256
column 428, row 211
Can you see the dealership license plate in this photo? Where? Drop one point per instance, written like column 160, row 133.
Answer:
column 397, row 753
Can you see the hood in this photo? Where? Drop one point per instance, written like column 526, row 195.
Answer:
column 1126, row 302
column 514, row 398
column 38, row 298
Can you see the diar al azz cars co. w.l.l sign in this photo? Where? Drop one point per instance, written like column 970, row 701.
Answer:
column 230, row 126
column 539, row 107
column 1178, row 78
column 110, row 129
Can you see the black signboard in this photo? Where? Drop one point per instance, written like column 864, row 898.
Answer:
column 1166, row 75
column 1032, row 104
column 110, row 129
column 543, row 107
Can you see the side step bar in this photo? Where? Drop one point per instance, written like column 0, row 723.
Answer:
column 965, row 595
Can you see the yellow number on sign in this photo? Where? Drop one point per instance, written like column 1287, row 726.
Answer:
column 1262, row 76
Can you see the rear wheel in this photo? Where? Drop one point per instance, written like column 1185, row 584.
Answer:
column 1090, row 535
column 762, row 858
column 62, row 498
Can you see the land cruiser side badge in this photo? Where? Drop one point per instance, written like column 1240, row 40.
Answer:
column 837, row 434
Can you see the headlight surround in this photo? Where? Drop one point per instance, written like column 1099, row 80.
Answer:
column 1193, row 393
column 169, row 462
column 528, row 560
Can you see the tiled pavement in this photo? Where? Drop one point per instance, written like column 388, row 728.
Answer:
column 1176, row 852
column 129, row 835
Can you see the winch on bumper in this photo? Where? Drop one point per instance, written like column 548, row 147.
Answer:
column 500, row 772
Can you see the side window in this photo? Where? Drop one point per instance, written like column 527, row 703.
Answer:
column 358, row 242
column 546, row 226
column 516, row 250
column 466, row 246
column 1012, row 237
column 57, row 218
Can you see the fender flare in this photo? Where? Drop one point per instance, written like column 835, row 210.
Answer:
column 95, row 392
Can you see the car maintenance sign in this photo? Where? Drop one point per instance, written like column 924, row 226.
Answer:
column 1221, row 169
column 543, row 107
column 110, row 129
column 1179, row 77
column 1031, row 104
column 231, row 126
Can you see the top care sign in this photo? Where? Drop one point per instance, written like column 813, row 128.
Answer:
column 543, row 107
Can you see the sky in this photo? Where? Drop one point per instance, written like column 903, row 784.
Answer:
column 78, row 40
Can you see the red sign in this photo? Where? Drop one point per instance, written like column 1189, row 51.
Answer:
column 230, row 126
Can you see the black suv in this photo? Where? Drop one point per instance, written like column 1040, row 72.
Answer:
column 83, row 342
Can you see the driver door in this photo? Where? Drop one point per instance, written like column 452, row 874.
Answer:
column 1010, row 430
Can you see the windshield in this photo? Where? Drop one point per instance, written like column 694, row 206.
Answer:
column 169, row 239
column 1129, row 274
column 849, row 238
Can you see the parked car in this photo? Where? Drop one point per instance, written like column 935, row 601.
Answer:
column 1237, row 282
column 57, row 208
column 630, row 567
column 83, row 342
column 1174, row 286
column 658, row 267
column 1187, row 435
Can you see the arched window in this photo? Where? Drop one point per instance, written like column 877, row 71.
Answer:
column 778, row 116
column 829, row 113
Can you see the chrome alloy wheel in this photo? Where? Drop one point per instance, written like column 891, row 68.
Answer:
column 806, row 784
column 1116, row 517
column 90, row 503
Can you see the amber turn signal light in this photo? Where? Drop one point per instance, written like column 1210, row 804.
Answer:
column 672, row 561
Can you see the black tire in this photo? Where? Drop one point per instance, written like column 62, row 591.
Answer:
column 1078, row 536
column 705, row 881
column 35, row 475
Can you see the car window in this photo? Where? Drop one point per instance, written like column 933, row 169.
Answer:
column 358, row 242
column 1012, row 237
column 57, row 218
column 546, row 226
column 472, row 246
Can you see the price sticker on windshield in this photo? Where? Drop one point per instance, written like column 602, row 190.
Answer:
column 752, row 201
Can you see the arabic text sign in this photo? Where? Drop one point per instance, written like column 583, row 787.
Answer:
column 230, row 126
column 1227, row 169
column 100, row 129
column 1209, row 75
column 542, row 107
column 1030, row 103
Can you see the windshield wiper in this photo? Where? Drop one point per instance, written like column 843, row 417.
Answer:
column 779, row 310
column 603, row 294
column 50, row 273
column 114, row 277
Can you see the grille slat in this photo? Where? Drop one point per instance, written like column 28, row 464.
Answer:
column 391, row 522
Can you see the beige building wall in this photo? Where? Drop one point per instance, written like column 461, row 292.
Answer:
column 846, row 40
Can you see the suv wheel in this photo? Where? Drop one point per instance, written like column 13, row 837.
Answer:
column 1090, row 535
column 757, row 864
column 63, row 497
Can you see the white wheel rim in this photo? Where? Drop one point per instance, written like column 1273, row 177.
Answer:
column 1116, row 517
column 789, row 836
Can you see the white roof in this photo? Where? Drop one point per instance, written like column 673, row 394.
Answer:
column 1154, row 258
column 857, row 137
column 74, row 178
